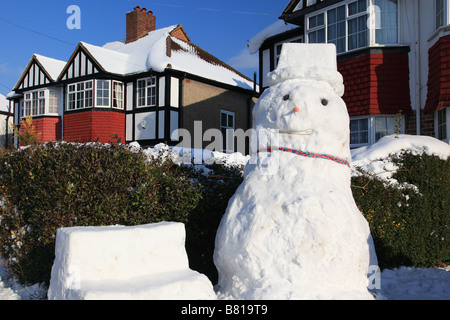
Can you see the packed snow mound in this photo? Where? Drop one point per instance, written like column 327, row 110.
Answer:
column 394, row 144
column 116, row 262
column 375, row 158
column 292, row 230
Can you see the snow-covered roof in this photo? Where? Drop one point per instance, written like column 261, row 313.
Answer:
column 3, row 103
column 159, row 50
column 275, row 28
column 52, row 66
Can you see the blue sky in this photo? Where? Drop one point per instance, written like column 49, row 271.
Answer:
column 221, row 27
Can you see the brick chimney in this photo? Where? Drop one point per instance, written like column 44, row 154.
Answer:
column 139, row 24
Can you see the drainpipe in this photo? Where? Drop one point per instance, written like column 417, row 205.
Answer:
column 417, row 62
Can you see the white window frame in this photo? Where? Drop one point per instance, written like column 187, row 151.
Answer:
column 37, row 102
column 54, row 97
column 100, row 99
column 77, row 95
column 360, row 144
column 379, row 21
column 441, row 124
column 227, row 131
column 371, row 33
column 118, row 95
column 372, row 130
column 146, row 95
column 443, row 11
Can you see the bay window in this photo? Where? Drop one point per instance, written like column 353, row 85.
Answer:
column 41, row 102
column 82, row 95
column 366, row 130
column 355, row 24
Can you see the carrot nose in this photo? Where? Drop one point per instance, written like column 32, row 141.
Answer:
column 296, row 109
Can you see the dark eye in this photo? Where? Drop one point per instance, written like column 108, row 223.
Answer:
column 324, row 102
column 286, row 97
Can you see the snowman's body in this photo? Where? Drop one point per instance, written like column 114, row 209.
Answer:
column 293, row 230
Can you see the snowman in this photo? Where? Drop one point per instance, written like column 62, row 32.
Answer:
column 292, row 230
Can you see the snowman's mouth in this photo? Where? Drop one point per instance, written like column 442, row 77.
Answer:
column 299, row 133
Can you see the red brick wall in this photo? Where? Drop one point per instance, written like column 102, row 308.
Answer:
column 94, row 125
column 438, row 93
column 376, row 83
column 50, row 128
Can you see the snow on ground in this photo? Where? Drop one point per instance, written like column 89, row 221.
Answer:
column 403, row 283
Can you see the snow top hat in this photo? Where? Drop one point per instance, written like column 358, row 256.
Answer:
column 316, row 62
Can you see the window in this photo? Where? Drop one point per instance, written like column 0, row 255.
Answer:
column 384, row 126
column 347, row 24
column 118, row 95
column 442, row 124
column 336, row 32
column 279, row 46
column 299, row 6
column 440, row 12
column 359, row 131
column 146, row 92
column 368, row 130
column 27, row 105
column 80, row 95
column 386, row 29
column 102, row 93
column 227, row 129
column 357, row 25
column 344, row 25
column 316, row 27
column 34, row 103
column 53, row 101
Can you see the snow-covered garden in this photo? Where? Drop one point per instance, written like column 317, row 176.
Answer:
column 405, row 283
column 291, row 231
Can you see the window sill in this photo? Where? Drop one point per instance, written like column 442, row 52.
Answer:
column 442, row 31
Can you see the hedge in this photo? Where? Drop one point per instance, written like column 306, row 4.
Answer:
column 46, row 187
column 409, row 221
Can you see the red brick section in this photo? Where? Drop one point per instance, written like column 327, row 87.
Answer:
column 376, row 84
column 94, row 125
column 50, row 128
column 438, row 91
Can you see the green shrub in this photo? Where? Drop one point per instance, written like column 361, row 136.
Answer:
column 410, row 222
column 46, row 187
column 217, row 187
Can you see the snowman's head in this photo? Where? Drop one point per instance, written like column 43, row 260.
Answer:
column 304, row 106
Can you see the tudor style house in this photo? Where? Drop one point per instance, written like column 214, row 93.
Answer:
column 394, row 56
column 142, row 89
column 6, row 116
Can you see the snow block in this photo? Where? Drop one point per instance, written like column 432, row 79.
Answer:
column 147, row 262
